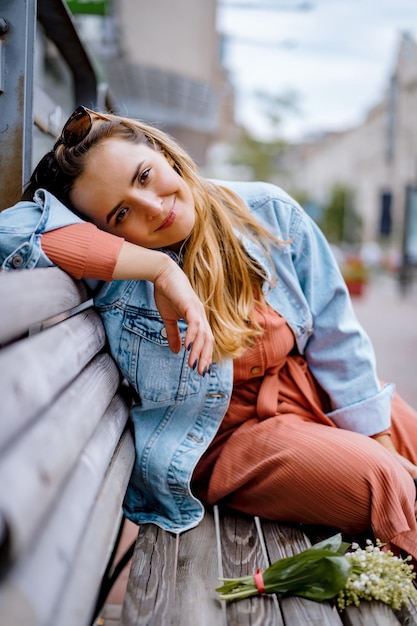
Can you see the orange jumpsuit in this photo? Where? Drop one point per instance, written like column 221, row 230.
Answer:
column 278, row 456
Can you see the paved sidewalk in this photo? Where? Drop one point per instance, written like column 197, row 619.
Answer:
column 391, row 321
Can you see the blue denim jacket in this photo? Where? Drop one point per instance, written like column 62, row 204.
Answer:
column 178, row 412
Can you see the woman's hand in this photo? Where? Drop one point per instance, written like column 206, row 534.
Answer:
column 175, row 299
column 385, row 440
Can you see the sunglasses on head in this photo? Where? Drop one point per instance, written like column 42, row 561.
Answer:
column 75, row 129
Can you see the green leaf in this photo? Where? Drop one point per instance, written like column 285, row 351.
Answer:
column 334, row 543
column 314, row 573
column 318, row 573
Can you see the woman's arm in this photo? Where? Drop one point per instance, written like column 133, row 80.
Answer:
column 84, row 251
column 174, row 298
column 312, row 296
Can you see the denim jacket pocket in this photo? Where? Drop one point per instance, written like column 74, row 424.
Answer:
column 159, row 375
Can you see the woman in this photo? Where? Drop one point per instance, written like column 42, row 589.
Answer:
column 289, row 422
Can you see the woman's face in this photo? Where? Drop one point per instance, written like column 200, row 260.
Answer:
column 131, row 190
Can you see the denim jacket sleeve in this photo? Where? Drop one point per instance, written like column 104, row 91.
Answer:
column 21, row 228
column 339, row 352
column 311, row 295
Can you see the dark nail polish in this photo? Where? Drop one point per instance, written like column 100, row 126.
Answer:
column 195, row 364
column 190, row 345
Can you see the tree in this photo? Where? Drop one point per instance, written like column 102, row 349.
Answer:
column 263, row 156
column 340, row 222
column 260, row 156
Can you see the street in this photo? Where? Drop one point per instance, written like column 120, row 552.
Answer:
column 391, row 322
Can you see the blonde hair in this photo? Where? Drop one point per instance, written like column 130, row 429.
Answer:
column 227, row 280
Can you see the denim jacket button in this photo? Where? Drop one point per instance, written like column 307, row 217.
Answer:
column 17, row 260
column 164, row 333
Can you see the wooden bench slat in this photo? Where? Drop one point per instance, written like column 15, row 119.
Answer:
column 302, row 611
column 78, row 598
column 196, row 601
column 408, row 614
column 38, row 369
column 150, row 591
column 111, row 615
column 38, row 579
column 242, row 554
column 31, row 297
column 283, row 540
column 44, row 455
column 370, row 614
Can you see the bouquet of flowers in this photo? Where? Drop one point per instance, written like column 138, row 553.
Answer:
column 377, row 575
column 327, row 570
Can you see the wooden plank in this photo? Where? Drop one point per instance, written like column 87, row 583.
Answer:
column 36, row 370
column 284, row 540
column 32, row 473
column 110, row 616
column 407, row 614
column 38, row 578
column 302, row 611
column 78, row 597
column 29, row 297
column 242, row 554
column 369, row 614
column 196, row 601
column 150, row 593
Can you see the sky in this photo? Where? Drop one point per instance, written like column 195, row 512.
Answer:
column 337, row 57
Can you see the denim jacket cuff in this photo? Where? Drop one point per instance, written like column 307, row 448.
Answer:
column 369, row 416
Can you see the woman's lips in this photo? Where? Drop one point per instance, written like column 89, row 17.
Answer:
column 169, row 220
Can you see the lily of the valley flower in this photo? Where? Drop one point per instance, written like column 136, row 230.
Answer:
column 327, row 571
column 378, row 575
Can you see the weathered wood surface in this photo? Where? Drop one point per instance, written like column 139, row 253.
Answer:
column 408, row 615
column 65, row 453
column 83, row 581
column 29, row 297
column 283, row 540
column 37, row 370
column 38, row 578
column 150, row 594
column 182, row 592
column 242, row 553
column 43, row 456
column 196, row 601
column 110, row 616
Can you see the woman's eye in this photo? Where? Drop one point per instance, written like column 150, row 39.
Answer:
column 143, row 177
column 121, row 215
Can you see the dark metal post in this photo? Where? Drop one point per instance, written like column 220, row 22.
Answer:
column 17, row 46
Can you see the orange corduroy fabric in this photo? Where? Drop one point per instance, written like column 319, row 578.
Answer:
column 83, row 250
column 278, row 456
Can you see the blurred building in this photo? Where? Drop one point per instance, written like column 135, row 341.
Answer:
column 158, row 61
column 377, row 160
column 162, row 62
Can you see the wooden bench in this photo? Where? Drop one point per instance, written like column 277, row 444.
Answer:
column 66, row 454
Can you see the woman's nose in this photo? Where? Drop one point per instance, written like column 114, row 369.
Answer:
column 150, row 203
